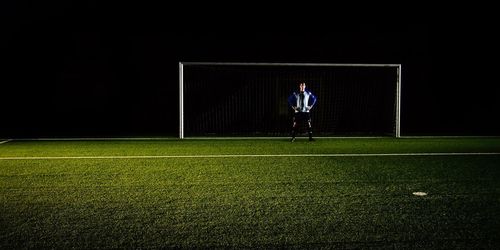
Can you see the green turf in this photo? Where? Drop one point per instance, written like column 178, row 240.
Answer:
column 270, row 202
column 272, row 146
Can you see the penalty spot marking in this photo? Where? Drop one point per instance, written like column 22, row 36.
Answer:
column 420, row 193
column 235, row 156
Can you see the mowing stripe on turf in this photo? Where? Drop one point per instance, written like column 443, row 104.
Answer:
column 241, row 155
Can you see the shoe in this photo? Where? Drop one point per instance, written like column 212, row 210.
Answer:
column 311, row 139
column 292, row 140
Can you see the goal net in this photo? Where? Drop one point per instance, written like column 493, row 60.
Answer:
column 250, row 99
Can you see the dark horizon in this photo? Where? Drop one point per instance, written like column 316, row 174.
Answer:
column 77, row 71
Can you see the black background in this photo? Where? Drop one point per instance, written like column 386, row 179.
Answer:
column 89, row 69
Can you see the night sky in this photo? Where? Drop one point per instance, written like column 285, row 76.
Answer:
column 91, row 70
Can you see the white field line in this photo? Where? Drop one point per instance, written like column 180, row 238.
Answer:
column 99, row 139
column 242, row 138
column 2, row 142
column 240, row 156
column 190, row 138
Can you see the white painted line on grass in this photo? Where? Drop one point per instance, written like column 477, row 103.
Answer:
column 100, row 139
column 239, row 156
column 245, row 138
column 419, row 193
column 2, row 142
column 192, row 138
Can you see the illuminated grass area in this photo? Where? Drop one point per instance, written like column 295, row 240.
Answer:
column 292, row 202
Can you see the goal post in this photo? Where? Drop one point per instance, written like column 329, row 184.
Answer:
column 230, row 99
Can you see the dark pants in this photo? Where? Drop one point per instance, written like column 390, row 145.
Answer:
column 301, row 119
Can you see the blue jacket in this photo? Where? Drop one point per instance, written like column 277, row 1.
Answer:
column 309, row 101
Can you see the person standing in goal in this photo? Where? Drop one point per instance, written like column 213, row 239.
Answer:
column 302, row 102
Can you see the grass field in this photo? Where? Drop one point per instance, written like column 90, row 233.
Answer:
column 332, row 193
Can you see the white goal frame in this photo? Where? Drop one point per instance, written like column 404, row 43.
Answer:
column 397, row 117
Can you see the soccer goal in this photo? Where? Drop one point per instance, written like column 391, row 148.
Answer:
column 221, row 99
